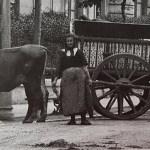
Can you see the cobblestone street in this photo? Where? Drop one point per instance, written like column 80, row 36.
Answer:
column 55, row 134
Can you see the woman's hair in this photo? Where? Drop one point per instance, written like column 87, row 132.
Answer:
column 70, row 35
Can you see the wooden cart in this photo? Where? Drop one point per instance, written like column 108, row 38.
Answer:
column 119, row 61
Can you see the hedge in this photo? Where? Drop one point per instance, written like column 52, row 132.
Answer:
column 53, row 28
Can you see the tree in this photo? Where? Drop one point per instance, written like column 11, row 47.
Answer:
column 144, row 7
column 37, row 22
column 17, row 8
column 123, row 5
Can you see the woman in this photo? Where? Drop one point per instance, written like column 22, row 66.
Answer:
column 72, row 66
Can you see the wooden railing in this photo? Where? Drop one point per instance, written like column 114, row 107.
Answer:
column 96, row 49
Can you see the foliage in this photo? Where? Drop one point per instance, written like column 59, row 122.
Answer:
column 22, row 30
column 53, row 28
column 139, row 20
column 136, row 20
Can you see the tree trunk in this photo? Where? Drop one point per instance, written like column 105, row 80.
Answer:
column 17, row 8
column 135, row 8
column 144, row 7
column 37, row 22
column 123, row 4
column 79, row 10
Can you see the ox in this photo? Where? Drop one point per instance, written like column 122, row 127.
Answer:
column 25, row 65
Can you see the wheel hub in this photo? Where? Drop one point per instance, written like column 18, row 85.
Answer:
column 121, row 84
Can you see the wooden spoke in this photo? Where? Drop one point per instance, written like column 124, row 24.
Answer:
column 103, row 83
column 129, row 101
column 139, row 96
column 140, row 78
column 125, row 67
column 113, row 84
column 98, row 87
column 111, row 102
column 120, row 104
column 116, row 70
column 109, row 76
column 110, row 92
column 131, row 74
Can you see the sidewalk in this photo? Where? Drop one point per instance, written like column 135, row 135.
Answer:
column 19, row 112
column 20, row 107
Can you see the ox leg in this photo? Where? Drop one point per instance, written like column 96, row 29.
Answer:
column 35, row 98
column 43, row 105
column 29, row 111
column 30, row 103
column 36, row 89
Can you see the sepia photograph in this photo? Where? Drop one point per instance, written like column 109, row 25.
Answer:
column 74, row 74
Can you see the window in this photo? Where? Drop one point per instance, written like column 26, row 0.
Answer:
column 57, row 6
column 63, row 6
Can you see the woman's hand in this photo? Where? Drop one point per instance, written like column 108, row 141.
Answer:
column 90, row 82
column 54, row 82
column 54, row 86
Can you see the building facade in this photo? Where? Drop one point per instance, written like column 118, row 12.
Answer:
column 70, row 8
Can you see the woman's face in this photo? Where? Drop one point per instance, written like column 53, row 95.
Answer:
column 70, row 42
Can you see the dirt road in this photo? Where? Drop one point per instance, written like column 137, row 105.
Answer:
column 101, row 135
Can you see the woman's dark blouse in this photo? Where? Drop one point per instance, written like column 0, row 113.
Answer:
column 64, row 61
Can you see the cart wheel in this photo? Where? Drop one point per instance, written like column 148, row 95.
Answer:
column 121, row 88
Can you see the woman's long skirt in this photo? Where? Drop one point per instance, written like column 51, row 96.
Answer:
column 73, row 91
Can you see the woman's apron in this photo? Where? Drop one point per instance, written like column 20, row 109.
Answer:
column 73, row 94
